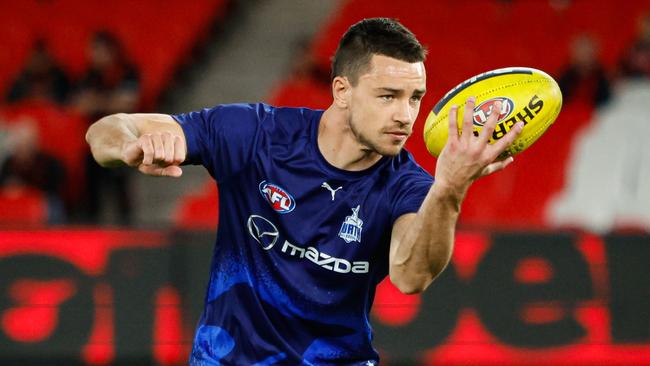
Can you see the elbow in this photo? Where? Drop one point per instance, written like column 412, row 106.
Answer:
column 414, row 283
column 410, row 289
column 410, row 285
column 104, row 139
column 96, row 127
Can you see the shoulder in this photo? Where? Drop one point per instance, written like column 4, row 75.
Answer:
column 259, row 111
column 407, row 185
column 279, row 122
column 404, row 164
column 257, row 121
column 404, row 173
column 290, row 121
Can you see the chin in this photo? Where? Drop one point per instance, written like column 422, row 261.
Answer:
column 390, row 151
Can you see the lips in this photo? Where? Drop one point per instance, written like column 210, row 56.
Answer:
column 398, row 133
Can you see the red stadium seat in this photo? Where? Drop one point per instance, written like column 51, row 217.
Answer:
column 158, row 43
column 61, row 135
column 199, row 211
column 22, row 206
column 302, row 93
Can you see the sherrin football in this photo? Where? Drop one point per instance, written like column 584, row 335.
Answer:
column 526, row 94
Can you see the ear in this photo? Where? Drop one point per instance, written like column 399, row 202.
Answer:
column 341, row 89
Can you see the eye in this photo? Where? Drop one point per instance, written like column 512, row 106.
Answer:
column 387, row 97
column 416, row 98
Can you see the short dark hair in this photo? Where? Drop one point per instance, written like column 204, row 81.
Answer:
column 374, row 36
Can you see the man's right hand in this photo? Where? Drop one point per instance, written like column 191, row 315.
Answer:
column 158, row 154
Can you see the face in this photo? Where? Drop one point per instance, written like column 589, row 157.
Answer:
column 385, row 103
column 101, row 54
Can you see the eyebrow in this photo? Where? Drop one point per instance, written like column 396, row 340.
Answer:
column 418, row 92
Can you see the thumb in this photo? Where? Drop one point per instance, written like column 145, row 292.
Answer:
column 496, row 166
column 160, row 171
column 132, row 153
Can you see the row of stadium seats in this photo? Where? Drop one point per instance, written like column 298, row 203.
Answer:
column 157, row 42
column 491, row 34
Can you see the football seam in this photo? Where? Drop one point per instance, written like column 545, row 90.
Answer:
column 538, row 132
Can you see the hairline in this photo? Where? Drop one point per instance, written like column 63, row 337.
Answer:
column 367, row 67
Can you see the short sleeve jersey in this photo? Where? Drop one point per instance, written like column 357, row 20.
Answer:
column 301, row 244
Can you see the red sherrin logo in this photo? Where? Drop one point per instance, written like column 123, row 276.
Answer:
column 483, row 110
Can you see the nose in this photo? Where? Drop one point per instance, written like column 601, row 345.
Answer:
column 405, row 114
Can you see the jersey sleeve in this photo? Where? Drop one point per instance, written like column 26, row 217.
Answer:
column 410, row 190
column 224, row 138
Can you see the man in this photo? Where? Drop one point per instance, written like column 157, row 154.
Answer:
column 317, row 207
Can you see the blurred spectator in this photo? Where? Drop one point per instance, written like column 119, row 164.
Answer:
column 110, row 85
column 304, row 65
column 26, row 165
column 602, row 200
column 636, row 62
column 584, row 80
column 308, row 85
column 42, row 78
column 560, row 5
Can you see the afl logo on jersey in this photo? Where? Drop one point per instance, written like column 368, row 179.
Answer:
column 278, row 198
column 483, row 110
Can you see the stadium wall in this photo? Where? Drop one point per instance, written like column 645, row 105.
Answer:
column 118, row 297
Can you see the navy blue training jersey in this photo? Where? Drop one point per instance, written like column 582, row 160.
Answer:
column 300, row 245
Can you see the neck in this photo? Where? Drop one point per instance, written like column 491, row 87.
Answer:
column 338, row 144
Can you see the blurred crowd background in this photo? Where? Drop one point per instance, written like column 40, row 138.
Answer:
column 65, row 63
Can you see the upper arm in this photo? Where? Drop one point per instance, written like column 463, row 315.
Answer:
column 224, row 138
column 400, row 227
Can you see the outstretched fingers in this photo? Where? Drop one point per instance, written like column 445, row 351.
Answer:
column 468, row 117
column 491, row 123
column 497, row 165
column 507, row 140
column 453, row 124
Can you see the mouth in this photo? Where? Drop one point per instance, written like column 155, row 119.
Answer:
column 398, row 134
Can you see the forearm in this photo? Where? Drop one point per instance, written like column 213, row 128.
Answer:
column 107, row 137
column 424, row 247
column 422, row 244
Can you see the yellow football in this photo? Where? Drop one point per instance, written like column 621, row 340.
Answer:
column 526, row 95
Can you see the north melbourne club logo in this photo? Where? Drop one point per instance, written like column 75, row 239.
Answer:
column 351, row 228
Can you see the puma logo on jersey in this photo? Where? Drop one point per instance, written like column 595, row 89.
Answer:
column 266, row 233
column 332, row 191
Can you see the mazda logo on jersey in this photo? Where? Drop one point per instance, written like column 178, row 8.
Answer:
column 267, row 234
column 263, row 231
column 280, row 199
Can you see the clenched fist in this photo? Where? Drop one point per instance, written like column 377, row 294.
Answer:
column 157, row 154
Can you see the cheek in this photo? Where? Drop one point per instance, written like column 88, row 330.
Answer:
column 416, row 112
